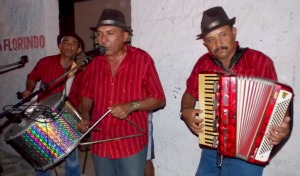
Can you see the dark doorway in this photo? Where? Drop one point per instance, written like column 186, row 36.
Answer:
column 66, row 16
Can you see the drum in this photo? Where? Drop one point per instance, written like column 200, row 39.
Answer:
column 47, row 134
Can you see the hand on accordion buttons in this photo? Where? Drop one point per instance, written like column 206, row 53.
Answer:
column 83, row 125
column 190, row 117
column 277, row 134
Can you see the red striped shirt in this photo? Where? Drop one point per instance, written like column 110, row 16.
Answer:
column 253, row 64
column 135, row 79
column 48, row 69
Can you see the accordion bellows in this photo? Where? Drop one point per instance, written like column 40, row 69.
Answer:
column 238, row 112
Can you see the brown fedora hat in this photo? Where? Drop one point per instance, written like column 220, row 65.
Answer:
column 212, row 19
column 112, row 17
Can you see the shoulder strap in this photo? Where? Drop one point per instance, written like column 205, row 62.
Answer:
column 69, row 82
column 237, row 57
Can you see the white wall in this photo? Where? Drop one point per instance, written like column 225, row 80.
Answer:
column 167, row 30
column 18, row 20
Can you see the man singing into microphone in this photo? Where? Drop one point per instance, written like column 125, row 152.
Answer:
column 125, row 81
column 48, row 69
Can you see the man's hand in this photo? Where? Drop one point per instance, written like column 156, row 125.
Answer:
column 189, row 116
column 83, row 125
column 277, row 134
column 26, row 93
column 120, row 111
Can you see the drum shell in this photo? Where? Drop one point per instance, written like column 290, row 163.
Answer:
column 46, row 138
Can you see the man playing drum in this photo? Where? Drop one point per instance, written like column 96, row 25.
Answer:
column 48, row 69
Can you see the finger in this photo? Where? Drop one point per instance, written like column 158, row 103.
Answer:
column 273, row 142
column 83, row 125
column 196, row 127
column 275, row 137
column 194, row 130
column 286, row 122
column 80, row 127
column 198, row 120
column 281, row 130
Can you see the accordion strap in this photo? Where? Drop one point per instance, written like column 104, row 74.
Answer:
column 237, row 56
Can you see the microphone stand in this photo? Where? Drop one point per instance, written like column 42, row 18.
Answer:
column 19, row 64
column 11, row 69
column 22, row 62
column 13, row 64
column 45, row 86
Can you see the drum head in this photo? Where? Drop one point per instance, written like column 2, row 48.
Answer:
column 33, row 113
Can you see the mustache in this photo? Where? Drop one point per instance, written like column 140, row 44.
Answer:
column 220, row 48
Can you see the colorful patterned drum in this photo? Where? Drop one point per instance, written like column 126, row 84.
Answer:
column 48, row 134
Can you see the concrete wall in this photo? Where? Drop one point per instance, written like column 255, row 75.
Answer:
column 28, row 27
column 167, row 30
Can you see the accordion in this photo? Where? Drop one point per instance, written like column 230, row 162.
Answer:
column 238, row 112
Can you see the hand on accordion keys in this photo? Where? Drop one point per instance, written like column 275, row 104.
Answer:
column 277, row 134
column 190, row 117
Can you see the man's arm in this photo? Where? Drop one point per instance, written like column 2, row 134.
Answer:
column 150, row 104
column 30, row 85
column 122, row 110
column 187, row 101
column 85, row 107
column 189, row 114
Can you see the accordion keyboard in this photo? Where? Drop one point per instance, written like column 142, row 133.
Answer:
column 208, row 103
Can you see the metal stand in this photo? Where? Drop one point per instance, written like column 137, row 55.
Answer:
column 44, row 87
column 86, row 152
column 106, row 140
column 112, row 139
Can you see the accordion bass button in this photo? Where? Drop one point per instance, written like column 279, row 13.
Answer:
column 216, row 86
column 225, row 100
column 225, row 116
column 215, row 123
column 215, row 142
column 215, row 104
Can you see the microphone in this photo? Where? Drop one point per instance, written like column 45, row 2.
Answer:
column 23, row 60
column 99, row 51
column 89, row 55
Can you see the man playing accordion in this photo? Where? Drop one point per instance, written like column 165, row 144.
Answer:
column 225, row 56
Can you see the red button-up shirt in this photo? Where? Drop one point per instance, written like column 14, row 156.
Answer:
column 135, row 79
column 48, row 69
column 253, row 64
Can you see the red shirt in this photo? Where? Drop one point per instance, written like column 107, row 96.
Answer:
column 253, row 63
column 135, row 79
column 48, row 69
